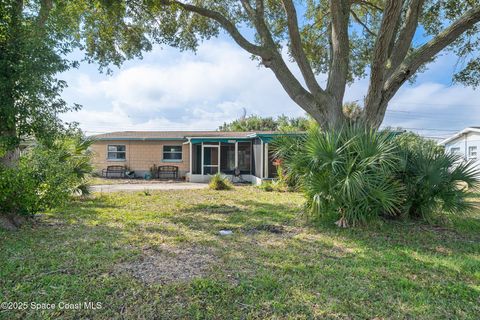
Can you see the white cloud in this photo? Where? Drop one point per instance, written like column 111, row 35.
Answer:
column 190, row 92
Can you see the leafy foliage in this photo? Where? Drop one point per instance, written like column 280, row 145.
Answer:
column 435, row 181
column 266, row 186
column 257, row 123
column 349, row 172
column 167, row 22
column 31, row 54
column 278, row 185
column 220, row 182
column 360, row 174
column 45, row 177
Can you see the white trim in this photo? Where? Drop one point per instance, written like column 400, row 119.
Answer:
column 191, row 158
column 219, row 151
column 262, row 161
column 236, row 154
column 458, row 135
column 202, row 159
column 266, row 160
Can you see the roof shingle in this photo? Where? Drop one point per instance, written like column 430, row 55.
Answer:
column 170, row 135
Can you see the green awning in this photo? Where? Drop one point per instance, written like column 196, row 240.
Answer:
column 224, row 140
column 268, row 137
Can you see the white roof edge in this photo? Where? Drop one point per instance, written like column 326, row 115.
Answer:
column 458, row 134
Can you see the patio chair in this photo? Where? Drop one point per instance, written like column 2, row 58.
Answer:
column 114, row 172
column 167, row 172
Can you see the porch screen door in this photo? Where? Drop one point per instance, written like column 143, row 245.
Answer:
column 211, row 159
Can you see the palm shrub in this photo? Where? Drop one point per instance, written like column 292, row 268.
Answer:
column 219, row 182
column 75, row 150
column 288, row 151
column 44, row 177
column 348, row 171
column 435, row 182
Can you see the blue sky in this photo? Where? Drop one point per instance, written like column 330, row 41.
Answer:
column 173, row 90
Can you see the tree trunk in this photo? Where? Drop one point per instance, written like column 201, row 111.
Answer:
column 328, row 113
column 373, row 115
column 10, row 158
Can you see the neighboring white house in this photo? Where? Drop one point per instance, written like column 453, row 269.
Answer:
column 465, row 143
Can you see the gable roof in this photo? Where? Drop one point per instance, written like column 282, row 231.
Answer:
column 459, row 134
column 176, row 135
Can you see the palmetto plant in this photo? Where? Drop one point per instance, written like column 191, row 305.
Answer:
column 76, row 154
column 349, row 171
column 437, row 182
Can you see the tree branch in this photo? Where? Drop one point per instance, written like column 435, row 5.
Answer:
column 45, row 8
column 297, row 48
column 391, row 15
column 224, row 22
column 429, row 50
column 340, row 49
column 421, row 56
column 405, row 38
column 368, row 4
column 354, row 15
column 271, row 58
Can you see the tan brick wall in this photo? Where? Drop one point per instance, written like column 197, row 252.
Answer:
column 140, row 155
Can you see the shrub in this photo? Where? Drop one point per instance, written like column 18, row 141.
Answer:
column 287, row 152
column 435, row 182
column 219, row 182
column 277, row 185
column 348, row 171
column 359, row 174
column 45, row 177
column 266, row 186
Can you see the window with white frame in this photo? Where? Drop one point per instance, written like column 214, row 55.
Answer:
column 455, row 150
column 172, row 153
column 472, row 152
column 116, row 152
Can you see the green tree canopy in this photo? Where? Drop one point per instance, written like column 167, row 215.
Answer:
column 30, row 57
column 257, row 123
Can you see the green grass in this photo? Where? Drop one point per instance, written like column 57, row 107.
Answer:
column 393, row 270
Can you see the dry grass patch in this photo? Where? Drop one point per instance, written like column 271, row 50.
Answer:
column 167, row 264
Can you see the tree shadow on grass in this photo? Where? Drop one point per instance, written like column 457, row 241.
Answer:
column 242, row 214
column 415, row 266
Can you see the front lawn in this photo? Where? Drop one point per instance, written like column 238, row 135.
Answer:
column 161, row 256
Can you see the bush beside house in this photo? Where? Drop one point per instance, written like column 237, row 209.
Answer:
column 360, row 174
column 44, row 177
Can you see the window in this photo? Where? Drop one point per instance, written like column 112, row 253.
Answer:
column 172, row 153
column 116, row 152
column 455, row 150
column 472, row 152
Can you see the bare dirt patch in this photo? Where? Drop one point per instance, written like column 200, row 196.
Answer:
column 171, row 264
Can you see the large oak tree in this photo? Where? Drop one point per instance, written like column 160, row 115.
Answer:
column 388, row 41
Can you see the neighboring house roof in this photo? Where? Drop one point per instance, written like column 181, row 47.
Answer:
column 179, row 135
column 459, row 134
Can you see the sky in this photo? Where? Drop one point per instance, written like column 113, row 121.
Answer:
column 173, row 90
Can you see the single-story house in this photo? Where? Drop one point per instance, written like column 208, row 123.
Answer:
column 197, row 154
column 465, row 143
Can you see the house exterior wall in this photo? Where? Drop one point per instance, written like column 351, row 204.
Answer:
column 463, row 143
column 140, row 155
